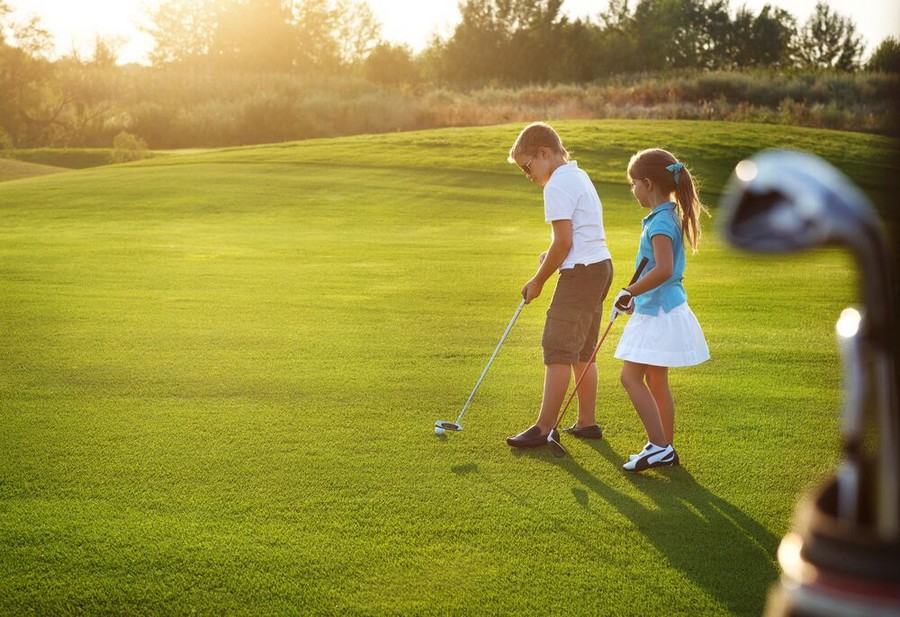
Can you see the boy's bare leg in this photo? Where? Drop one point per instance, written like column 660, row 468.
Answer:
column 556, row 384
column 587, row 394
column 642, row 399
column 658, row 381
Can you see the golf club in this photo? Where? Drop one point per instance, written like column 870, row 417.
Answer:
column 555, row 446
column 843, row 557
column 784, row 201
column 456, row 426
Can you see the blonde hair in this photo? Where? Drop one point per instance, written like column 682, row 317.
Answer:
column 665, row 171
column 536, row 135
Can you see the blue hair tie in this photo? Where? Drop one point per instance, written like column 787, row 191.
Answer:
column 676, row 168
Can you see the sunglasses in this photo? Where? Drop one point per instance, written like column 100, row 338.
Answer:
column 527, row 166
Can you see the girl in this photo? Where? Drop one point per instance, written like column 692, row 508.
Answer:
column 663, row 331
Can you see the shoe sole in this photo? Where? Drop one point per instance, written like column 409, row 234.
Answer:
column 642, row 465
column 537, row 443
column 581, row 435
column 527, row 444
column 675, row 463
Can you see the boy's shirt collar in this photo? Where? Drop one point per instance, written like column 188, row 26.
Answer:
column 571, row 165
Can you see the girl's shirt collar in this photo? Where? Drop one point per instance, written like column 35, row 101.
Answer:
column 669, row 205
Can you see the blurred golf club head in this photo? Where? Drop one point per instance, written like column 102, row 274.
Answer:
column 783, row 201
column 846, row 537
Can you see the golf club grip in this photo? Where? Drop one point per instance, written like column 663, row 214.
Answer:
column 640, row 269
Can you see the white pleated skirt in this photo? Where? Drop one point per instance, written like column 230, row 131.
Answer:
column 668, row 339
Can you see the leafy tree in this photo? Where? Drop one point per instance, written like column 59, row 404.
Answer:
column 579, row 56
column 507, row 40
column 263, row 35
column 29, row 36
column 333, row 33
column 30, row 105
column 315, row 21
column 254, row 35
column 682, row 33
column 183, row 30
column 356, row 30
column 477, row 45
column 617, row 40
column 706, row 35
column 886, row 57
column 538, row 37
column 105, row 52
column 829, row 41
column 391, row 65
column 766, row 40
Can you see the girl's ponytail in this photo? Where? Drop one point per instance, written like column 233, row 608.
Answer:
column 690, row 206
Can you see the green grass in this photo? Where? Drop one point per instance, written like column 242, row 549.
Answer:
column 220, row 373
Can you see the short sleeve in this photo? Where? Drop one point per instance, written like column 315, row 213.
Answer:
column 558, row 205
column 664, row 226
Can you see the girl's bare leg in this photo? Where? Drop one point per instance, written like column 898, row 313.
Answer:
column 658, row 381
column 643, row 401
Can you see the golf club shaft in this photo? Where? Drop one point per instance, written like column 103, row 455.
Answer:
column 493, row 355
column 612, row 320
column 584, row 371
column 888, row 508
column 856, row 385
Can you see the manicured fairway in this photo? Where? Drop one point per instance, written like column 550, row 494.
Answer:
column 220, row 372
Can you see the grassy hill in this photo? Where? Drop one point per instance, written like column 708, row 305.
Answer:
column 16, row 170
column 221, row 370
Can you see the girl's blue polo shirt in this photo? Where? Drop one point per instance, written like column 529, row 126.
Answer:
column 662, row 220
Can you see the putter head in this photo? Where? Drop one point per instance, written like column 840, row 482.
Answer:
column 555, row 446
column 448, row 426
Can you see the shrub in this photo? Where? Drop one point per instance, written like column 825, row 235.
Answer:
column 128, row 147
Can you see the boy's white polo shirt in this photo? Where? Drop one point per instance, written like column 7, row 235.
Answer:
column 570, row 195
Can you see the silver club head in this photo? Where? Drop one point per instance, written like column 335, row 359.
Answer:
column 783, row 201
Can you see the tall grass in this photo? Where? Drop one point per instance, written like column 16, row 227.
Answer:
column 170, row 108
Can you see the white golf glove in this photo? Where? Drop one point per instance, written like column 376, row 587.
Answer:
column 622, row 303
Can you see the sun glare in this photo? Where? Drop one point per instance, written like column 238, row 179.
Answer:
column 745, row 171
column 848, row 323
column 76, row 25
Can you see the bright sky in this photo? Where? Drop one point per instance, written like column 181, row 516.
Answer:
column 76, row 23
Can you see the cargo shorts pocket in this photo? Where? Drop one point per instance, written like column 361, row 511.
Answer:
column 564, row 335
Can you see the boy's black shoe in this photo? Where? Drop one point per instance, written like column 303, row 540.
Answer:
column 585, row 432
column 530, row 438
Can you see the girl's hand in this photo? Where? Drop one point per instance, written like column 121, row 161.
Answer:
column 622, row 304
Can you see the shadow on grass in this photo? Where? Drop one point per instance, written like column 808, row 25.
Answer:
column 720, row 548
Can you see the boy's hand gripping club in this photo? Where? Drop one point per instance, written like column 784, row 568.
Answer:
column 557, row 448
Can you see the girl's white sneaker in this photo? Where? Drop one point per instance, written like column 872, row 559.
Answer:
column 652, row 456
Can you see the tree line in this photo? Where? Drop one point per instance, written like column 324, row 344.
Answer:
column 206, row 53
column 506, row 41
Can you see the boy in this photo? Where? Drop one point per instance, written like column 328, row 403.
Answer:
column 578, row 250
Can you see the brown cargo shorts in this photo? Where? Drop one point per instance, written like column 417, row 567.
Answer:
column 573, row 319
